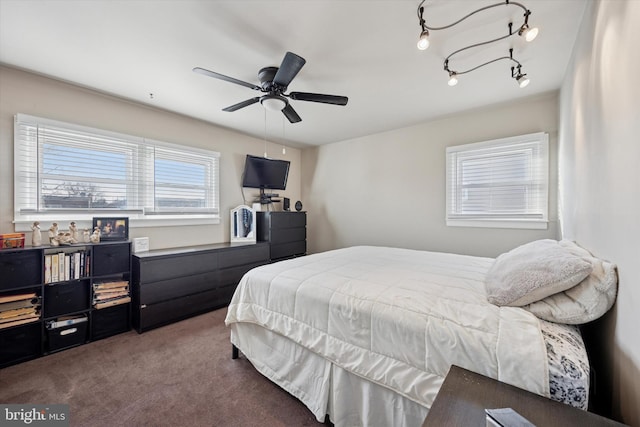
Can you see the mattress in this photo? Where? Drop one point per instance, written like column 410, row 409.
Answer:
column 400, row 318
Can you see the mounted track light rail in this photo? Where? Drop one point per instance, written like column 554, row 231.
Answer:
column 524, row 30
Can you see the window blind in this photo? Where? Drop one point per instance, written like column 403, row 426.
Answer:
column 497, row 181
column 64, row 167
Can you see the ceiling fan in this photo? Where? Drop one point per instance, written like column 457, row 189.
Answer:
column 274, row 82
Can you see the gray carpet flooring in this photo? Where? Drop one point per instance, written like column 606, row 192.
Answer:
column 178, row 375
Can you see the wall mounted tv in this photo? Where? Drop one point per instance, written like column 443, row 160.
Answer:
column 263, row 173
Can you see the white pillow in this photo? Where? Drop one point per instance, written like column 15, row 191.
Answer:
column 588, row 300
column 532, row 272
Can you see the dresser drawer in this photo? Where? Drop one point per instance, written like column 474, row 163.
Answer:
column 170, row 267
column 151, row 293
column 232, row 276
column 288, row 250
column 287, row 235
column 245, row 254
column 288, row 219
column 154, row 315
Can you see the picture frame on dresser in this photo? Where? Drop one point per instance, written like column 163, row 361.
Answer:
column 112, row 228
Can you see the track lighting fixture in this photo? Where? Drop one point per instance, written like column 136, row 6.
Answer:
column 522, row 79
column 423, row 41
column 528, row 33
column 453, row 78
column 524, row 30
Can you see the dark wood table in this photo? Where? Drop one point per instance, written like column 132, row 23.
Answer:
column 465, row 395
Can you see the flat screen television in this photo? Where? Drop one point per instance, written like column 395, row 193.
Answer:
column 263, row 173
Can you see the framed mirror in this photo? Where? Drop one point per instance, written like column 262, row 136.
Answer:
column 243, row 224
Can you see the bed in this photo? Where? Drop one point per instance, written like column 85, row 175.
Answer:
column 365, row 335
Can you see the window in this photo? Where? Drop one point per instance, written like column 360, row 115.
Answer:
column 64, row 171
column 500, row 183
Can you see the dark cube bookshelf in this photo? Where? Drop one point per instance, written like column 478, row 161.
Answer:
column 70, row 295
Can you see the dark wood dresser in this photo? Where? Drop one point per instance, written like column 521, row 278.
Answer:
column 172, row 284
column 286, row 233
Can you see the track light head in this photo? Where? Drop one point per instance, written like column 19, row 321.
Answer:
column 528, row 33
column 523, row 80
column 453, row 78
column 423, row 41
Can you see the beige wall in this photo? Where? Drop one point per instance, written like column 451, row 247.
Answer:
column 389, row 188
column 22, row 92
column 599, row 196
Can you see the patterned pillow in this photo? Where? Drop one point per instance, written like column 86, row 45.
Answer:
column 532, row 272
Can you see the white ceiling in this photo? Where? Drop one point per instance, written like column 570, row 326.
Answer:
column 365, row 50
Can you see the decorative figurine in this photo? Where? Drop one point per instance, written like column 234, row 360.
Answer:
column 36, row 237
column 53, row 233
column 95, row 237
column 86, row 236
column 73, row 229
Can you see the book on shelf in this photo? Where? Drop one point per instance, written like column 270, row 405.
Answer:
column 47, row 268
column 17, row 312
column 61, row 266
column 76, row 265
column 22, row 315
column 110, row 290
column 110, row 285
column 54, row 268
column 110, row 295
column 17, row 297
column 112, row 302
column 22, row 303
column 17, row 322
column 67, row 267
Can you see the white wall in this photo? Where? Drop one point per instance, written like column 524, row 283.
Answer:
column 599, row 196
column 22, row 92
column 389, row 188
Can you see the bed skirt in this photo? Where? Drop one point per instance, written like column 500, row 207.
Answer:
column 323, row 387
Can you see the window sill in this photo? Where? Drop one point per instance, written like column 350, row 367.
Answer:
column 499, row 223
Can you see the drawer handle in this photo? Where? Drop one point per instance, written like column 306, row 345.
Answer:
column 69, row 331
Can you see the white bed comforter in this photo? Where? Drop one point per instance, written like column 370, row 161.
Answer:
column 397, row 317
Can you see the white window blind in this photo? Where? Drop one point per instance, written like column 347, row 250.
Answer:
column 499, row 183
column 65, row 168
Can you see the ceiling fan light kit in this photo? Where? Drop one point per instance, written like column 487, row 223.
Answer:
column 274, row 82
column 524, row 30
column 273, row 102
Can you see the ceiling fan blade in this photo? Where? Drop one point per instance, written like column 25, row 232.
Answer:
column 291, row 65
column 242, row 104
column 291, row 114
column 225, row 78
column 318, row 97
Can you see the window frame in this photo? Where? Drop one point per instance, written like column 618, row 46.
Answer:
column 141, row 153
column 537, row 183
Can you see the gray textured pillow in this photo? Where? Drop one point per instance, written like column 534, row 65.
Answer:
column 586, row 301
column 532, row 272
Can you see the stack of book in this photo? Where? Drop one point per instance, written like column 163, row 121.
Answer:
column 59, row 267
column 19, row 309
column 107, row 294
